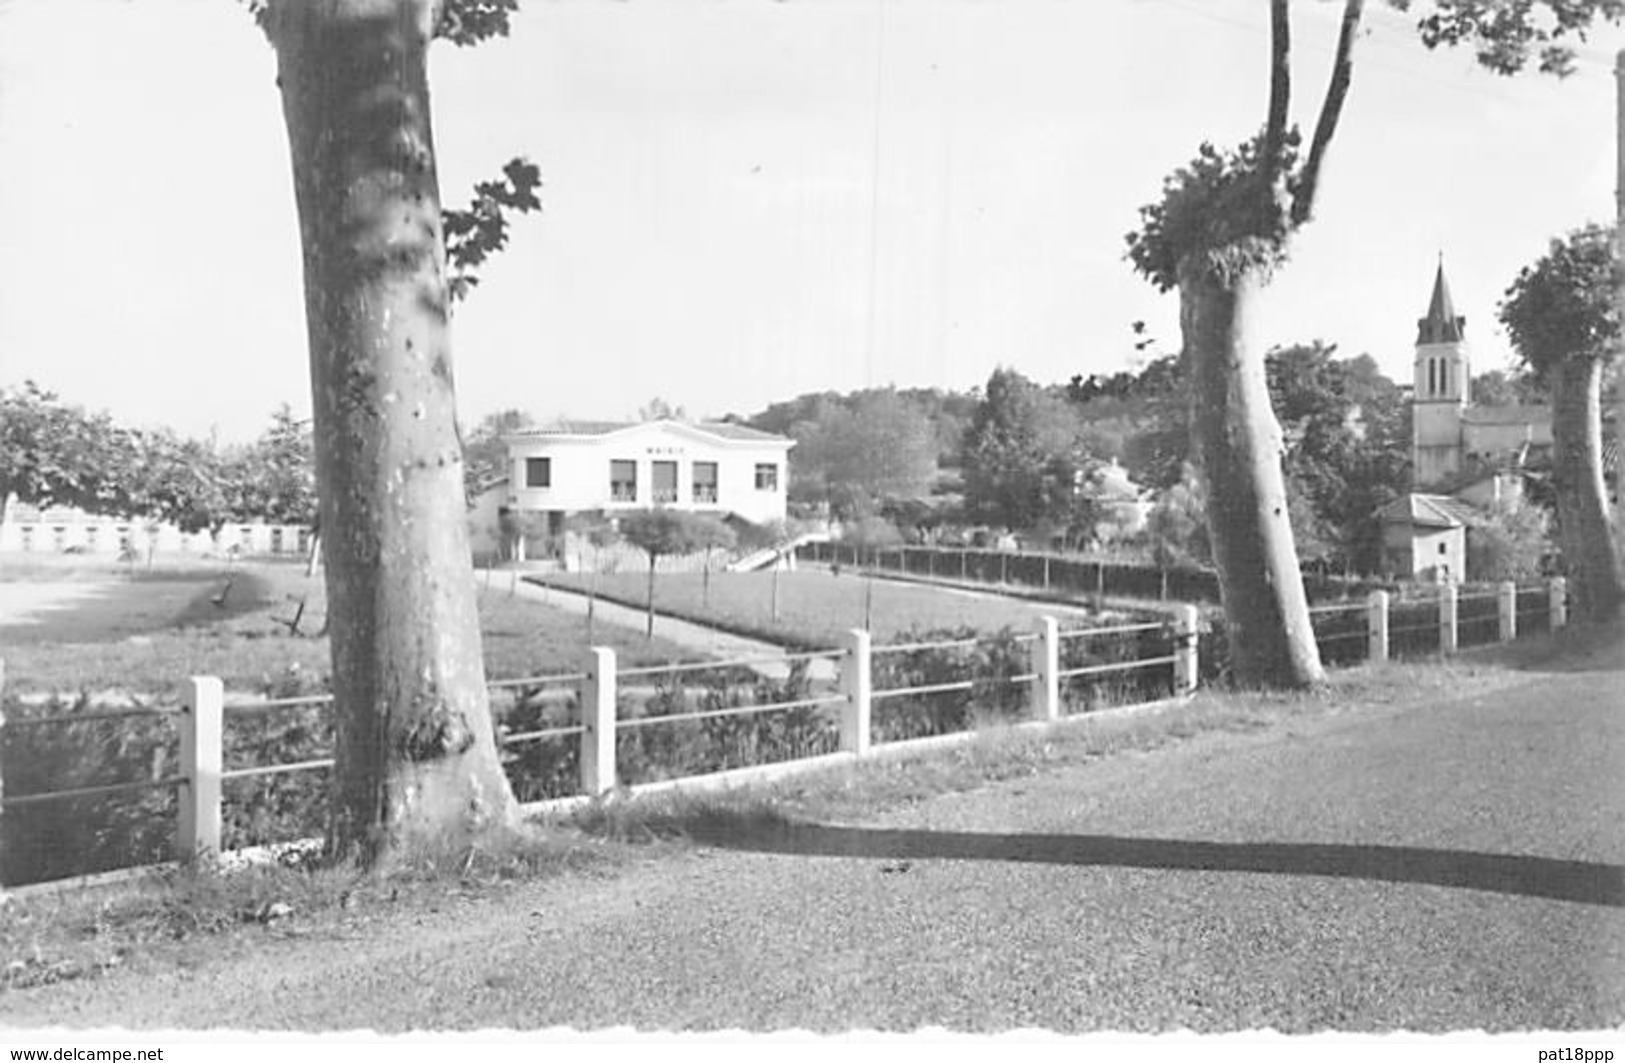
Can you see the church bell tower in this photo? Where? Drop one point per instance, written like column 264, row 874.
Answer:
column 1440, row 381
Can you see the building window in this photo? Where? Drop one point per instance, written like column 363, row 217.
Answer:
column 623, row 481
column 1433, row 377
column 663, row 482
column 705, row 481
column 767, row 477
column 1443, row 548
column 538, row 472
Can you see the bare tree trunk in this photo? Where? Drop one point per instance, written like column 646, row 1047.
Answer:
column 650, row 633
column 1584, row 534
column 1238, row 448
column 417, row 769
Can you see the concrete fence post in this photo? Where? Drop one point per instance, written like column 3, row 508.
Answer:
column 599, row 696
column 1187, row 671
column 857, row 685
column 1376, row 625
column 1447, row 618
column 1557, row 599
column 1507, row 610
column 1046, row 658
column 197, row 832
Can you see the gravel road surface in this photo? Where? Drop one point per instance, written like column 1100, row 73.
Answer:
column 1440, row 867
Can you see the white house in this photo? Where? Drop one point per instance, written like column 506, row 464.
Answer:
column 712, row 467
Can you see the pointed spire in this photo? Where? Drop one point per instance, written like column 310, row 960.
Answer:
column 1443, row 324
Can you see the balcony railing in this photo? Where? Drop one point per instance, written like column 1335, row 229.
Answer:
column 623, row 492
column 705, row 492
column 664, row 494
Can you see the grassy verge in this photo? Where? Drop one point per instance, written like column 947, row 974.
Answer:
column 147, row 630
column 175, row 917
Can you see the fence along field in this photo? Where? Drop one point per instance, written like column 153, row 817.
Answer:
column 195, row 775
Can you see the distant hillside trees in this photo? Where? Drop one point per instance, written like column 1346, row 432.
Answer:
column 855, row 453
column 1023, row 454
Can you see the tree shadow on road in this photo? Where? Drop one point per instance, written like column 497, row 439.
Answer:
column 1529, row 876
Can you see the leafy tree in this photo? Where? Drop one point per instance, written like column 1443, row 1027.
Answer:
column 658, row 409
column 485, row 455
column 661, row 533
column 710, row 534
column 53, row 453
column 277, row 475
column 1346, row 448
column 600, row 533
column 858, row 452
column 1508, row 542
column 1561, row 316
column 1222, row 227
column 1022, row 454
column 1499, row 387
column 1176, row 527
column 417, row 769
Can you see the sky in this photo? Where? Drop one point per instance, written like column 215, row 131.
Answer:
column 747, row 200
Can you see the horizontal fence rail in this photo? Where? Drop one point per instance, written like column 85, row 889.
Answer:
column 823, row 716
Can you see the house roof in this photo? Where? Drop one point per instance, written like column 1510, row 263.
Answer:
column 1442, row 324
column 1428, row 511
column 1508, row 415
column 591, row 429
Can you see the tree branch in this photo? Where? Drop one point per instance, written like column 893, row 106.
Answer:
column 1280, row 89
column 1303, row 203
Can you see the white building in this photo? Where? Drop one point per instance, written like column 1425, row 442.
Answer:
column 581, row 466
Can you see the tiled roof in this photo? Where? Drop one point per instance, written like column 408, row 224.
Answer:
column 719, row 429
column 1428, row 511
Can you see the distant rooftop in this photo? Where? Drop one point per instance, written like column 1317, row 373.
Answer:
column 720, row 429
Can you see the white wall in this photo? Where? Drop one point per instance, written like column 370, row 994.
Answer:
column 581, row 467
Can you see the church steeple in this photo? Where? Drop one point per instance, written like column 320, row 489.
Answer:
column 1443, row 324
column 1442, row 387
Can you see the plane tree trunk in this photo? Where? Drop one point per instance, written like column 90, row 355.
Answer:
column 1238, row 450
column 1584, row 534
column 417, row 769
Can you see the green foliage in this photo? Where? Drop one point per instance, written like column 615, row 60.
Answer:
column 1563, row 306
column 1176, row 527
column 53, row 453
column 664, row 532
column 693, row 747
column 1500, row 387
column 1022, row 455
column 474, row 234
column 1219, row 212
column 853, row 453
column 1505, row 36
column 1509, row 542
column 485, row 455
column 1348, row 449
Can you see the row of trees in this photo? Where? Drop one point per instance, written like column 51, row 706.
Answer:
column 416, row 768
column 56, row 453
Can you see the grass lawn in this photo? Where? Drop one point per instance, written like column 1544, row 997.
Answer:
column 80, row 624
column 816, row 608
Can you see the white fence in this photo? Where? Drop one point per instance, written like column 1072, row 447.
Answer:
column 600, row 722
column 141, row 538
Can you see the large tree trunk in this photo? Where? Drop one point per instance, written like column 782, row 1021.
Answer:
column 417, row 769
column 1582, row 497
column 1238, row 449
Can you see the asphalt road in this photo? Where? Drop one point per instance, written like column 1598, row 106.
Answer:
column 1441, row 867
